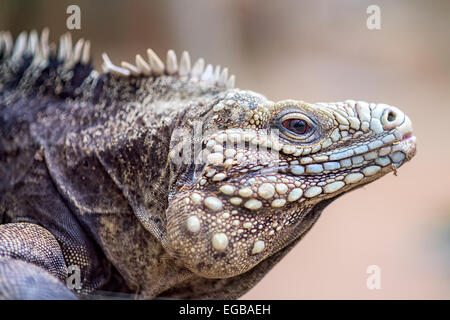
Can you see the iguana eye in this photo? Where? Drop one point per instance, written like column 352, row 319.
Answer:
column 297, row 126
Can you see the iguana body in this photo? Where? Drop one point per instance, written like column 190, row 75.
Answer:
column 162, row 180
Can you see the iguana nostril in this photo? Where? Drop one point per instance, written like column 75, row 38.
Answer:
column 391, row 116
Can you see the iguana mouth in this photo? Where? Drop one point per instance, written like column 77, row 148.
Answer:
column 382, row 152
column 407, row 136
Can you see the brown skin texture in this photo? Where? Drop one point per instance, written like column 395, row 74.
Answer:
column 169, row 185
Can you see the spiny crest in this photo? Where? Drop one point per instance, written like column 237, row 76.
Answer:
column 41, row 50
column 155, row 67
column 68, row 54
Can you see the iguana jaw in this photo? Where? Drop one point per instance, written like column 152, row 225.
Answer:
column 242, row 211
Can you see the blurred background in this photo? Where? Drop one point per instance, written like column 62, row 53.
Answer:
column 315, row 51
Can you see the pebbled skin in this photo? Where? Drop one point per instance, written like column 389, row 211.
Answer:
column 167, row 185
column 21, row 280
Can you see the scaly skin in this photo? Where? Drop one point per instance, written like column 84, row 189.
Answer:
column 164, row 180
column 247, row 205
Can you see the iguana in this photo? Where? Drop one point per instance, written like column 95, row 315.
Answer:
column 162, row 180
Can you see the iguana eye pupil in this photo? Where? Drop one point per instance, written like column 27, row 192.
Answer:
column 297, row 126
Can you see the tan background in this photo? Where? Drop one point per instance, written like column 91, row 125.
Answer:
column 316, row 51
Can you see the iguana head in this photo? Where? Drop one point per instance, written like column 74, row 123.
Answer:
column 265, row 165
